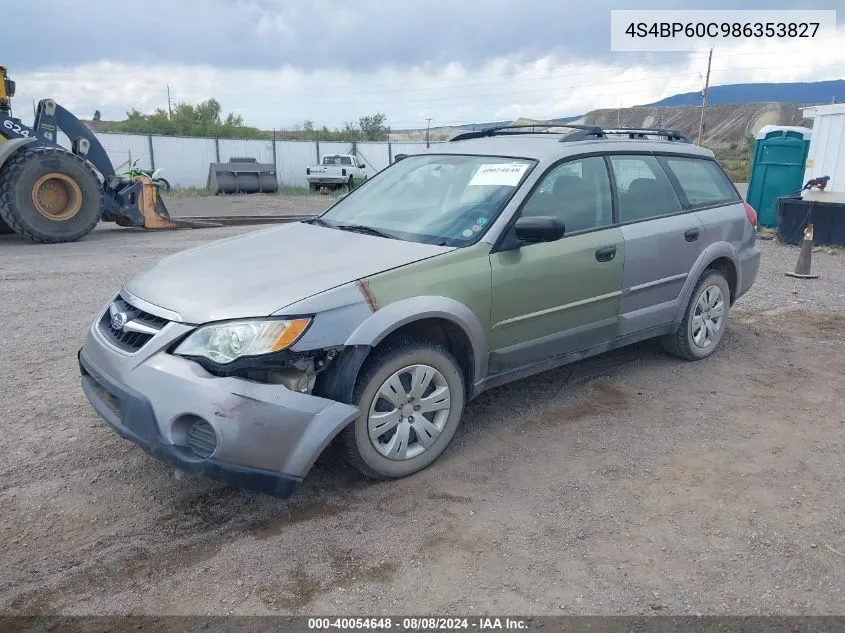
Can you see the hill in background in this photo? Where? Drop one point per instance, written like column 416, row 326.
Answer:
column 801, row 92
column 734, row 111
column 724, row 124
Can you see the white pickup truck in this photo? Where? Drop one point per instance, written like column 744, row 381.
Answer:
column 336, row 170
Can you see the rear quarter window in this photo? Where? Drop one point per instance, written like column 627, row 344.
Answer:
column 643, row 189
column 702, row 181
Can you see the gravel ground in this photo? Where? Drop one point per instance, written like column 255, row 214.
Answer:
column 255, row 204
column 629, row 483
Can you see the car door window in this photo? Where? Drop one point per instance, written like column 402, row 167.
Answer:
column 643, row 188
column 577, row 193
column 702, row 181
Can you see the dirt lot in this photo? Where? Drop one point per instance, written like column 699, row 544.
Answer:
column 631, row 483
column 258, row 204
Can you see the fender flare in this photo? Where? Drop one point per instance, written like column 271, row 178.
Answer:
column 708, row 256
column 393, row 316
column 10, row 147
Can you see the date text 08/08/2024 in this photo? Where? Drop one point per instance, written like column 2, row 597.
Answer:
column 419, row 623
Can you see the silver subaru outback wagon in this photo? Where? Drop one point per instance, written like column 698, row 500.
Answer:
column 495, row 256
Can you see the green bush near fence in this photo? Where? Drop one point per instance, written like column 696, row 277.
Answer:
column 736, row 159
column 206, row 119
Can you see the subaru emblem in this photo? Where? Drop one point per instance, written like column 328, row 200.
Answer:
column 118, row 320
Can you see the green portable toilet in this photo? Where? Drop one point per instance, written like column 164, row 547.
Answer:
column 778, row 168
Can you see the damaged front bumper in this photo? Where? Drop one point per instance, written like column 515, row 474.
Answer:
column 262, row 437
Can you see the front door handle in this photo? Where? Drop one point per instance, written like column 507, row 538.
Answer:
column 691, row 235
column 606, row 253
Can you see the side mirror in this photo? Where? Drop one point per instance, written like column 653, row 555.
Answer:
column 538, row 229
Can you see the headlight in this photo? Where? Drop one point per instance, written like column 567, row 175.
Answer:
column 225, row 342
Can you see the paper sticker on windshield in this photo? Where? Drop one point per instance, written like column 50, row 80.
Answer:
column 499, row 174
column 467, row 233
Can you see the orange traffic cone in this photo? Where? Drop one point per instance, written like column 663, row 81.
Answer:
column 805, row 257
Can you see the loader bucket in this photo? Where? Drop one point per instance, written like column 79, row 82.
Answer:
column 242, row 175
column 154, row 212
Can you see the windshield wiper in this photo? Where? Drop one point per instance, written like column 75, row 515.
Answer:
column 366, row 230
column 318, row 221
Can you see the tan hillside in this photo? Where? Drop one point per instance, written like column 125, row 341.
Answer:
column 724, row 124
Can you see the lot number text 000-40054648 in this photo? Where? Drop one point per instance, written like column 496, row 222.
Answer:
column 418, row 623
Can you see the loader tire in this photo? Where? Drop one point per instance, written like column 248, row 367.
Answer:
column 49, row 195
column 5, row 229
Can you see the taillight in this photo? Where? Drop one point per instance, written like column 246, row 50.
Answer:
column 751, row 214
column 307, row 171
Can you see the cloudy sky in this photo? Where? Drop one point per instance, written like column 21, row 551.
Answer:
column 279, row 62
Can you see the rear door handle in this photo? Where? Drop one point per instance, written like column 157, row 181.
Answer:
column 606, row 253
column 691, row 235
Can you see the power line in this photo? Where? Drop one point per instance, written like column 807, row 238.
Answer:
column 559, row 87
column 505, row 74
column 558, row 73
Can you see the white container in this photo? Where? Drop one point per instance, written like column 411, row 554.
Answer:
column 826, row 156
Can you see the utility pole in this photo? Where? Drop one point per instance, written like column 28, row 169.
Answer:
column 704, row 98
column 169, row 110
column 427, row 130
column 619, row 116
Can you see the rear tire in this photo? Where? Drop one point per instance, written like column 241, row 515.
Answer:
column 424, row 423
column 49, row 195
column 705, row 319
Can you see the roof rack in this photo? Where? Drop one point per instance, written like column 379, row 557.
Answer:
column 580, row 133
column 492, row 131
column 631, row 133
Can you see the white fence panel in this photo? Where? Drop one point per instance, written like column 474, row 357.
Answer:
column 260, row 150
column 407, row 148
column 120, row 147
column 184, row 161
column 375, row 156
column 292, row 158
column 62, row 139
column 335, row 147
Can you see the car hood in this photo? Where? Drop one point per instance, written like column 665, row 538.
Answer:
column 259, row 273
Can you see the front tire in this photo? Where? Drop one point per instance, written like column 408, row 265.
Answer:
column 411, row 398
column 705, row 319
column 49, row 195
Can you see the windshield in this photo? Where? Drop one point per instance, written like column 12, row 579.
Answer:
column 436, row 199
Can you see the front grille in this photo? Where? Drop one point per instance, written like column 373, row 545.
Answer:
column 202, row 439
column 136, row 332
